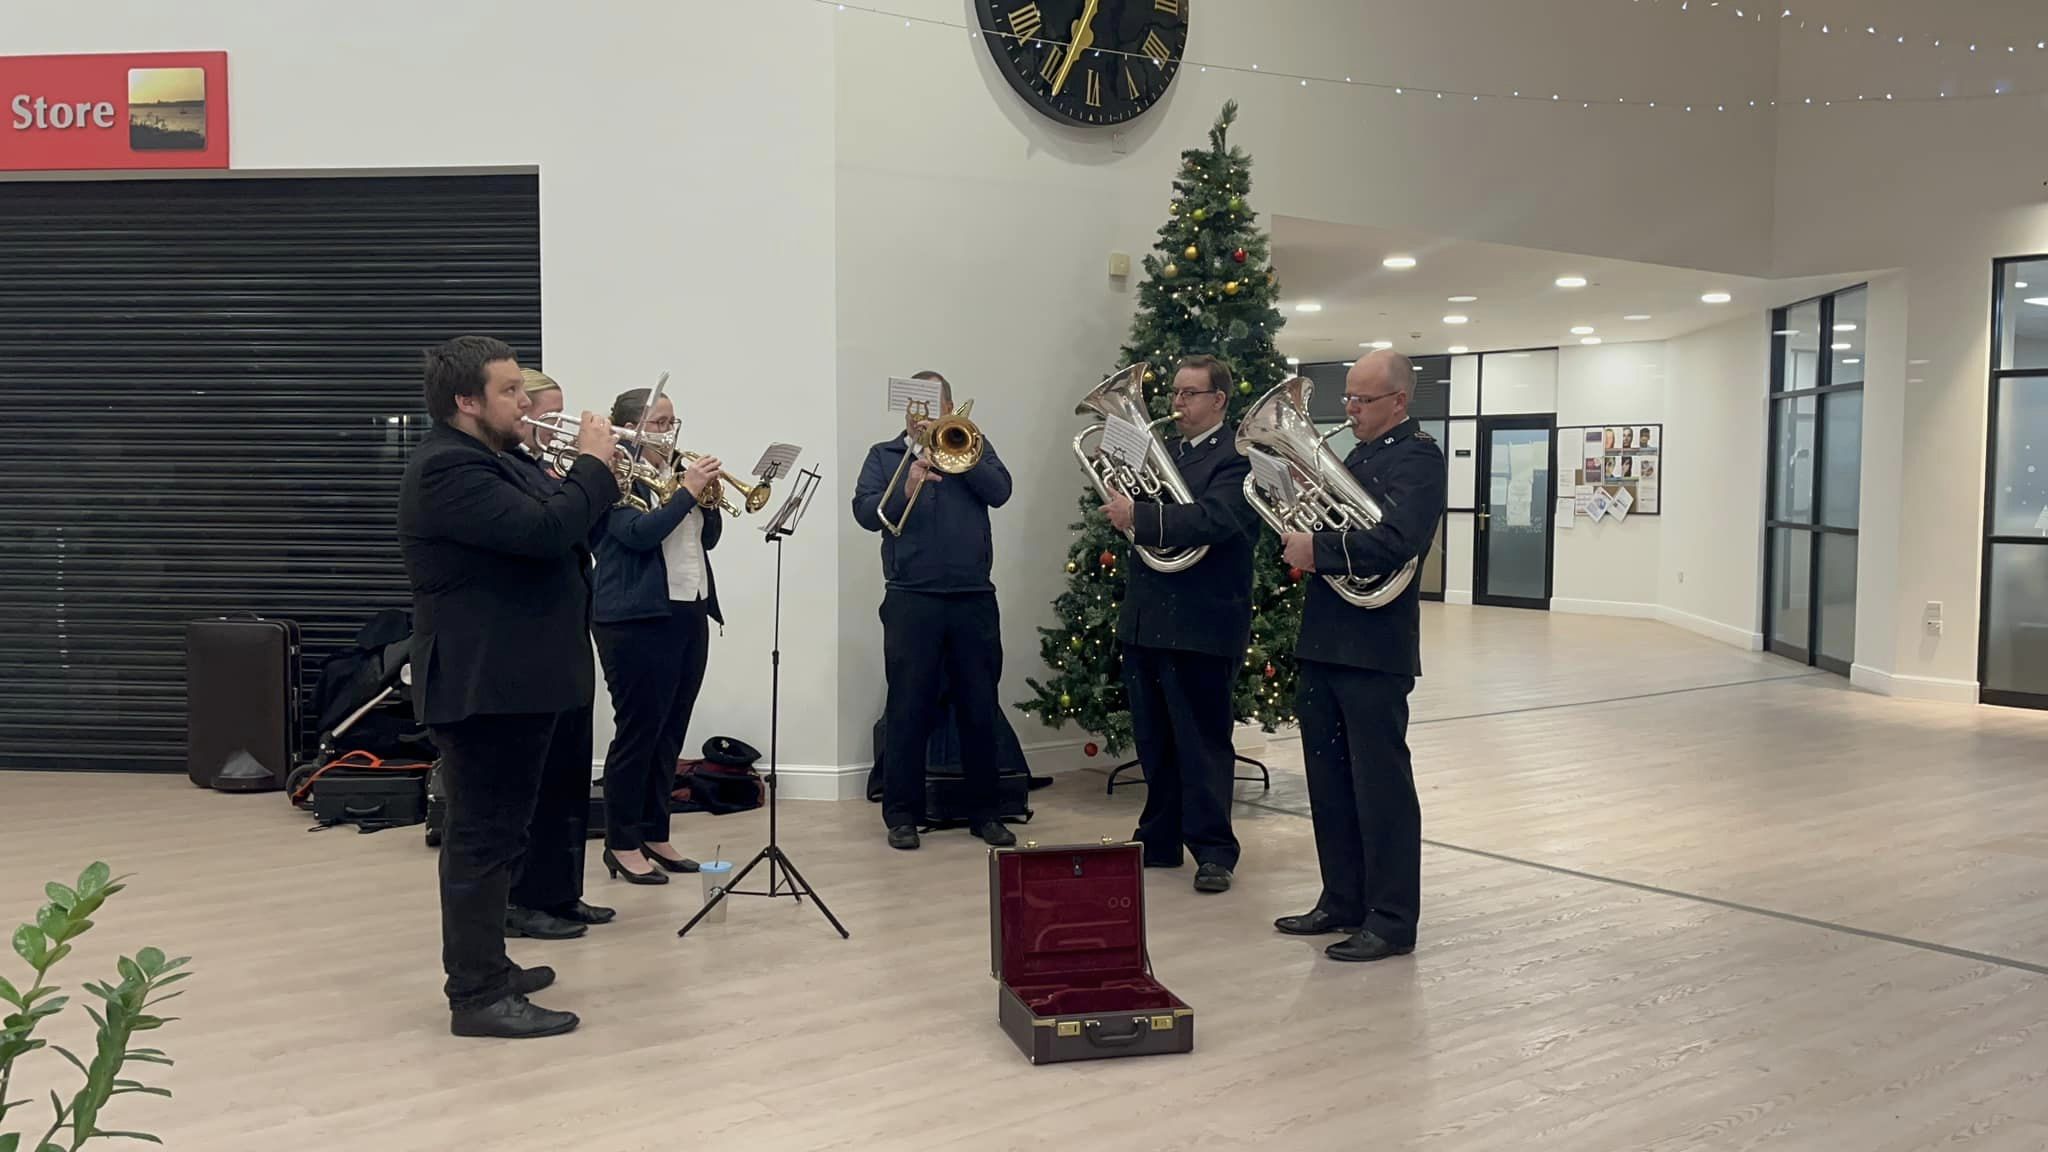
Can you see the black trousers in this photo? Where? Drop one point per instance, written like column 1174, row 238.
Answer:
column 654, row 669
column 930, row 641
column 1181, row 716
column 551, row 876
column 491, row 770
column 1361, row 792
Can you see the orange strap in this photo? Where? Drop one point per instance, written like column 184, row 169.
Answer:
column 361, row 760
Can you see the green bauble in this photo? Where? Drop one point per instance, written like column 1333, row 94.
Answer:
column 1244, row 386
column 1237, row 203
column 1201, row 214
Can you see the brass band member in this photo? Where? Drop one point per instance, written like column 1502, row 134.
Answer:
column 1358, row 666
column 500, row 582
column 939, row 621
column 656, row 599
column 546, row 398
column 1184, row 633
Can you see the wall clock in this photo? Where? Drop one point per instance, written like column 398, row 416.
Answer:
column 1087, row 62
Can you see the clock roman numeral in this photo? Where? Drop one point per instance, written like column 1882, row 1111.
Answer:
column 1094, row 89
column 1026, row 21
column 1051, row 68
column 1130, row 83
column 1157, row 49
column 1170, row 7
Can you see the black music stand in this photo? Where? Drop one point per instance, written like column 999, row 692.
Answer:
column 793, row 885
column 1264, row 779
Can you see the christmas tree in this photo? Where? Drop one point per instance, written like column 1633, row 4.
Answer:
column 1210, row 289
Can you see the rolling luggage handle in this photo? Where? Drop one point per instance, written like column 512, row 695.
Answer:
column 1096, row 1036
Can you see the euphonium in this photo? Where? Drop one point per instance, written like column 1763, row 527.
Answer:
column 1123, row 396
column 1328, row 499
column 950, row 444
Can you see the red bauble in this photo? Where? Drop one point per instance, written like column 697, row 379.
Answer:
column 1107, row 559
column 1238, row 255
column 1271, row 672
column 1294, row 574
column 1090, row 748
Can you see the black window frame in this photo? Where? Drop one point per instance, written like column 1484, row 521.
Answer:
column 1987, row 527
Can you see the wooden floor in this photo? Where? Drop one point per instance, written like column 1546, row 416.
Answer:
column 1675, row 896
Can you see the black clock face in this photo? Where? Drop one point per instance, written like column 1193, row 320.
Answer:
column 1087, row 61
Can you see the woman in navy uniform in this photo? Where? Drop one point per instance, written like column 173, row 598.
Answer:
column 1358, row 666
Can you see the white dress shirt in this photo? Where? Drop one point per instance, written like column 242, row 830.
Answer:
column 682, row 552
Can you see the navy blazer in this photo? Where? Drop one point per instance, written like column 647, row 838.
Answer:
column 632, row 573
column 500, row 571
column 1206, row 608
column 946, row 546
column 1403, row 470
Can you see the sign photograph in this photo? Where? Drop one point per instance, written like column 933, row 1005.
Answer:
column 114, row 112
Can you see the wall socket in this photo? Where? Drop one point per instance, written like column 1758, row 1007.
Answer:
column 1933, row 617
column 1681, row 576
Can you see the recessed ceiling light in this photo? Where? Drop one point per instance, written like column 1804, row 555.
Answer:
column 1459, row 349
column 1845, row 327
column 1583, row 330
column 2019, row 283
column 1309, row 306
column 1590, row 340
column 1571, row 281
column 1842, row 347
column 1455, row 319
column 2039, row 301
column 1382, row 344
column 1470, row 299
column 1852, row 360
column 1786, row 332
column 1716, row 298
column 1293, row 360
column 1398, row 262
column 1637, row 316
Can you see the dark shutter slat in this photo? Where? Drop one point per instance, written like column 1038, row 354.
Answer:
column 210, row 389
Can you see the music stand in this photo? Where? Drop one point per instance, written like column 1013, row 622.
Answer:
column 780, row 527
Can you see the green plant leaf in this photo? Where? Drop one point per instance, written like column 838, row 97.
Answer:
column 61, row 951
column 127, row 1136
column 151, row 960
column 130, row 971
column 8, row 993
column 149, row 1056
column 61, row 896
column 94, row 879
column 128, row 1089
column 10, row 1141
column 66, row 1053
column 28, row 944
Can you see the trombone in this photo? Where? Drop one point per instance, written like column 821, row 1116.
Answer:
column 951, row 444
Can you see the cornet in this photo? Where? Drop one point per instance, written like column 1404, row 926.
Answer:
column 1123, row 396
column 558, row 451
column 755, row 495
column 950, row 444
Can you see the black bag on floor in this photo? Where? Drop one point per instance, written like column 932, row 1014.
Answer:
column 241, row 703
column 944, row 772
column 372, row 800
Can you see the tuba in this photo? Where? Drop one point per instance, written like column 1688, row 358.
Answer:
column 950, row 444
column 558, row 451
column 1329, row 498
column 1123, row 396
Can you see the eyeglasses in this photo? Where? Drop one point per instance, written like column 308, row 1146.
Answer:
column 1361, row 401
column 1191, row 393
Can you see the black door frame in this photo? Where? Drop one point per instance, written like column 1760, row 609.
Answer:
column 1987, row 527
column 1482, row 509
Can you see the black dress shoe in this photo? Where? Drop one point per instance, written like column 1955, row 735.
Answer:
column 581, row 913
column 903, row 836
column 537, row 925
column 1314, row 922
column 527, row 981
column 1365, row 946
column 684, row 864
column 995, row 833
column 618, row 871
column 512, row 1017
column 1212, row 878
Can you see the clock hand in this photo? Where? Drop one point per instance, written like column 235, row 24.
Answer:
column 1084, row 38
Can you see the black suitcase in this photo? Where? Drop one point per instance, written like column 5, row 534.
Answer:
column 944, row 773
column 371, row 800
column 242, row 698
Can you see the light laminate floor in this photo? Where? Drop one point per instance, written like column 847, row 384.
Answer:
column 1676, row 896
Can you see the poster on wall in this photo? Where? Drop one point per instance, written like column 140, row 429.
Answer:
column 130, row 111
column 1630, row 459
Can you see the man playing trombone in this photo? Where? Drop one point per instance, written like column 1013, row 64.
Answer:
column 1184, row 632
column 1358, row 665
column 940, row 626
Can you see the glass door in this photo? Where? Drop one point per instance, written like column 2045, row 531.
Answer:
column 1512, row 540
column 2012, row 650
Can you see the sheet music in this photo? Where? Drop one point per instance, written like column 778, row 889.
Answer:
column 777, row 461
column 902, row 392
column 1272, row 477
column 1125, row 442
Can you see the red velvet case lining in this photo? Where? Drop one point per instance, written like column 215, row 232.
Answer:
column 1075, row 943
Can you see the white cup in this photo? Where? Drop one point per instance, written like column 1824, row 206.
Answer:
column 717, row 874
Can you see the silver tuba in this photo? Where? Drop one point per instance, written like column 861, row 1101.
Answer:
column 1327, row 497
column 1123, row 396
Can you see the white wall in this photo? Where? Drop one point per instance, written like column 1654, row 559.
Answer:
column 1710, row 570
column 661, row 195
column 1611, row 567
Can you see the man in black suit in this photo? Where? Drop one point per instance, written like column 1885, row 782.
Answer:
column 1184, row 633
column 1358, row 666
column 501, row 604
column 939, row 621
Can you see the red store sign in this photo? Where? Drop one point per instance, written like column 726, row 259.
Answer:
column 131, row 111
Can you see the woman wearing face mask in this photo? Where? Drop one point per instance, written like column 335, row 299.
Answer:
column 654, row 600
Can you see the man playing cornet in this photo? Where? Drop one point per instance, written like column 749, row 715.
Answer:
column 1184, row 633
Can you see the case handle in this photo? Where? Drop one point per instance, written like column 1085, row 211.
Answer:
column 1096, row 1036
column 358, row 812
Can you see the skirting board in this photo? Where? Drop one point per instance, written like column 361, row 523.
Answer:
column 1454, row 596
column 1712, row 629
column 1913, row 687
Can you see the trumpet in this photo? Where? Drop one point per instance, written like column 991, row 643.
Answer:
column 558, row 451
column 754, row 496
column 951, row 444
column 1123, row 396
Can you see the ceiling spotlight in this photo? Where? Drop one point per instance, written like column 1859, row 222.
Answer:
column 1786, row 332
column 1467, row 319
column 1308, row 307
column 2038, row 301
column 1571, row 281
column 1459, row 349
column 1852, row 360
column 1841, row 347
column 1470, row 299
column 1845, row 327
column 1590, row 340
column 1716, row 298
column 1383, row 343
column 1398, row 262
column 1292, row 361
column 1583, row 330
column 2019, row 283
column 1637, row 316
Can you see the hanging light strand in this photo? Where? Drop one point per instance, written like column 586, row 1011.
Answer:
column 1467, row 97
column 1778, row 14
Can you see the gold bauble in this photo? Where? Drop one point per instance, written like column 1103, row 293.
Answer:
column 1171, row 271
column 1173, row 208
column 1072, row 567
column 1230, row 289
column 1151, row 376
column 1193, row 253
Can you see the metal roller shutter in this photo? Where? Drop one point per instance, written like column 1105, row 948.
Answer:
column 210, row 388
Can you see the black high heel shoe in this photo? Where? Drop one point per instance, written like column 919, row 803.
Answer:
column 619, row 871
column 685, row 864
